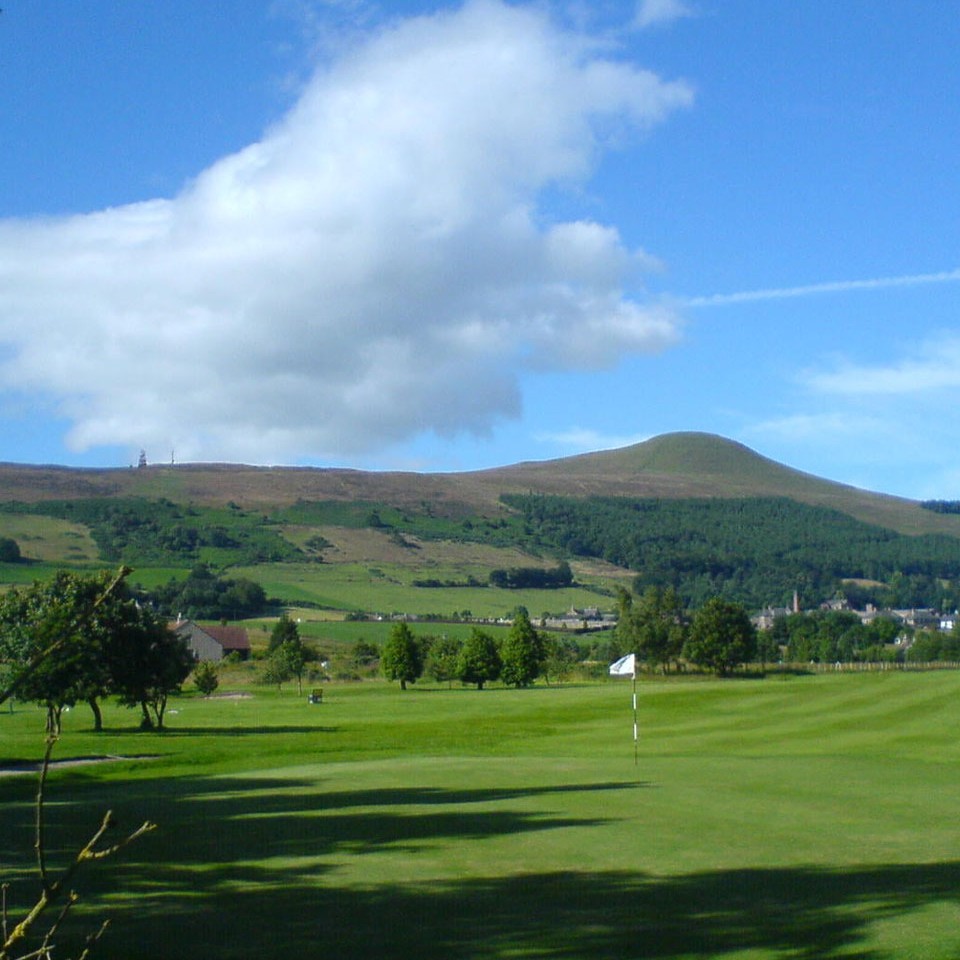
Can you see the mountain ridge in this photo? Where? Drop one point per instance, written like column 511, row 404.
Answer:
column 681, row 465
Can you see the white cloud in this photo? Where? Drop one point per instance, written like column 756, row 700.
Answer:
column 933, row 367
column 585, row 440
column 897, row 415
column 374, row 267
column 651, row 12
column 825, row 428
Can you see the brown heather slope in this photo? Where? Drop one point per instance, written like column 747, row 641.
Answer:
column 674, row 466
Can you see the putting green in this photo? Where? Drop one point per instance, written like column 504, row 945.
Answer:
column 805, row 818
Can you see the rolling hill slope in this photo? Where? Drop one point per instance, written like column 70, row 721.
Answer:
column 693, row 465
column 672, row 466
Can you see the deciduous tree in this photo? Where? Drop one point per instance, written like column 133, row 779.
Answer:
column 721, row 636
column 652, row 625
column 442, row 660
column 9, row 550
column 479, row 660
column 401, row 659
column 71, row 616
column 150, row 662
column 521, row 653
column 206, row 677
column 283, row 630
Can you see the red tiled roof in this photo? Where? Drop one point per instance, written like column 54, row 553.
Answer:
column 230, row 638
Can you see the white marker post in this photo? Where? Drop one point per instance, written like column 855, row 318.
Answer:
column 627, row 667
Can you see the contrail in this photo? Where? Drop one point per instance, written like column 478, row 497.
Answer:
column 837, row 286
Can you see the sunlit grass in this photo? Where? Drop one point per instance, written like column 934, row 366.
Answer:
column 811, row 817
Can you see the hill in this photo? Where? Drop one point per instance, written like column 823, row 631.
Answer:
column 692, row 465
column 672, row 466
column 705, row 514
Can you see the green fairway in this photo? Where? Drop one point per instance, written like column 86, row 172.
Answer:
column 792, row 817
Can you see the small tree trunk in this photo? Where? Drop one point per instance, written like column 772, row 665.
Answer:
column 53, row 719
column 97, row 714
column 146, row 723
column 159, row 706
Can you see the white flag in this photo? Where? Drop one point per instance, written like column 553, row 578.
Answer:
column 624, row 667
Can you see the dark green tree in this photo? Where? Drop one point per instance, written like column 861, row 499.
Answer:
column 561, row 655
column 72, row 614
column 721, row 637
column 206, row 677
column 203, row 595
column 441, row 661
column 283, row 630
column 521, row 653
column 885, row 629
column 276, row 670
column 364, row 653
column 652, row 625
column 768, row 649
column 401, row 659
column 9, row 550
column 295, row 656
column 148, row 666
column 479, row 660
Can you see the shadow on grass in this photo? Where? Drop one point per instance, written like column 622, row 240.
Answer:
column 812, row 913
column 170, row 733
column 246, row 867
column 419, row 796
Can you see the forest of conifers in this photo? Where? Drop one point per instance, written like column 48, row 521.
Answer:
column 757, row 550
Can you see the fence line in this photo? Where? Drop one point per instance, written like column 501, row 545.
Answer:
column 858, row 666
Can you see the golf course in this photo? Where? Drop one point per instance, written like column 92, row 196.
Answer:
column 809, row 816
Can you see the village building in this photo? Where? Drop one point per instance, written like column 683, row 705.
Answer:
column 213, row 643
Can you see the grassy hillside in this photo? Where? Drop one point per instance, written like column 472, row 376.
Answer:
column 675, row 465
column 689, row 465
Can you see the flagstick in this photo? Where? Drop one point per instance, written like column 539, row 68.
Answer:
column 620, row 668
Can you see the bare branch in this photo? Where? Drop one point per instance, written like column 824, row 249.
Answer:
column 38, row 843
column 46, row 946
column 52, row 891
column 93, row 939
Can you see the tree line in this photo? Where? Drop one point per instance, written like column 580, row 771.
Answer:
column 533, row 578
column 205, row 595
column 719, row 637
column 517, row 659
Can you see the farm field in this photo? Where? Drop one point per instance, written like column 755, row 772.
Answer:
column 390, row 588
column 798, row 816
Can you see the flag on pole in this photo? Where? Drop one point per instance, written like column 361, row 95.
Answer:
column 624, row 667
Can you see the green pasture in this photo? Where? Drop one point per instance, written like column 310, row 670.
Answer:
column 792, row 817
column 388, row 588
column 49, row 540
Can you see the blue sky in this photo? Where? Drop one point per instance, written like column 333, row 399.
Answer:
column 437, row 236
